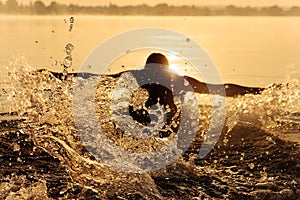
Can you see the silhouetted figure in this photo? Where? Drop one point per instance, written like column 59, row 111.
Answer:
column 162, row 85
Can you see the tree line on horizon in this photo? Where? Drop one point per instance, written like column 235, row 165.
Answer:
column 163, row 9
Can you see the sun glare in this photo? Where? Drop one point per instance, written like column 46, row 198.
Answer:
column 172, row 57
column 174, row 68
column 173, row 60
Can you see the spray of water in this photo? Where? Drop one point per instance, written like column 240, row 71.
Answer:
column 46, row 104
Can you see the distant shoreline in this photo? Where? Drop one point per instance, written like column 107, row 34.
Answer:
column 115, row 15
column 112, row 15
column 162, row 9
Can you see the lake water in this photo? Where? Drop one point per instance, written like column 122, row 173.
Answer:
column 254, row 51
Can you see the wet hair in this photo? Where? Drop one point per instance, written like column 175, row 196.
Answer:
column 157, row 58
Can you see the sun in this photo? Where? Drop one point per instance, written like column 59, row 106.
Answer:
column 174, row 68
column 173, row 59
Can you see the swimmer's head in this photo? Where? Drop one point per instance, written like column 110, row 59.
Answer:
column 157, row 58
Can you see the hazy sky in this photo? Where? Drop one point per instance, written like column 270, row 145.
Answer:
column 177, row 2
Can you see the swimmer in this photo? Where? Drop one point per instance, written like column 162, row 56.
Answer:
column 163, row 85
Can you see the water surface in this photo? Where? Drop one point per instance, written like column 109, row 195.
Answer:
column 254, row 51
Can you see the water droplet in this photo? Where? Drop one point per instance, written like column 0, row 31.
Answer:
column 268, row 138
column 89, row 67
column 264, row 168
column 55, row 63
column 17, row 147
column 71, row 27
column 69, row 48
column 68, row 62
column 251, row 166
column 186, row 83
column 225, row 141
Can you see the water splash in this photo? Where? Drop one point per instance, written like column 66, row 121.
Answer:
column 14, row 187
column 276, row 109
column 45, row 103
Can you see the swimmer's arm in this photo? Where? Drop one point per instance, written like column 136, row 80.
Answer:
column 194, row 85
column 230, row 89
